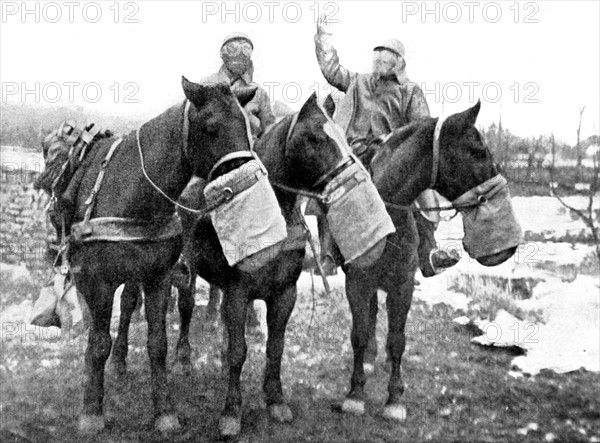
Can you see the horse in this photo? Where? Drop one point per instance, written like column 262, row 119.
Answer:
column 304, row 154
column 450, row 157
column 126, row 231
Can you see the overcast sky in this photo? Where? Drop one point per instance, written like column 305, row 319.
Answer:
column 536, row 62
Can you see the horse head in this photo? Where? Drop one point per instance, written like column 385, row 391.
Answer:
column 451, row 157
column 217, row 124
column 313, row 156
column 315, row 146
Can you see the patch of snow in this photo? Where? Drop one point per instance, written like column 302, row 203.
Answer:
column 570, row 339
column 15, row 273
column 306, row 281
column 462, row 320
column 507, row 330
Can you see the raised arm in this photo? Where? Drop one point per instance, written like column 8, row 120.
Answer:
column 329, row 62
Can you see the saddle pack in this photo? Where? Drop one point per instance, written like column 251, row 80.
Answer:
column 64, row 150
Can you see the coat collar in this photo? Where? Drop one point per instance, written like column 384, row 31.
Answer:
column 228, row 77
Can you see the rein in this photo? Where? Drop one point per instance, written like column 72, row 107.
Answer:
column 185, row 134
column 481, row 200
column 319, row 196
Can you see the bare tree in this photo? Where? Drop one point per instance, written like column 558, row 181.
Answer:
column 590, row 219
column 578, row 148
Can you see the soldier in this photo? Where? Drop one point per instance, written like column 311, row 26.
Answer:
column 237, row 71
column 374, row 105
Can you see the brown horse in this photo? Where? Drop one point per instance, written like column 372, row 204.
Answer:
column 452, row 159
column 148, row 170
column 303, row 153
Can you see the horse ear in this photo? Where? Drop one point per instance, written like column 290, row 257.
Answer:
column 329, row 105
column 194, row 92
column 469, row 116
column 308, row 106
column 245, row 94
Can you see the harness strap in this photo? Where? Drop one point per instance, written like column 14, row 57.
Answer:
column 233, row 156
column 185, row 132
column 91, row 200
column 343, row 164
column 436, row 151
column 317, row 196
column 292, row 126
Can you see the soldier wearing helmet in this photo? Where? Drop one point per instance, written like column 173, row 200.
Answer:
column 237, row 71
column 374, row 105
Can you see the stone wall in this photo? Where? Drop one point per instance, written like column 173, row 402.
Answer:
column 24, row 229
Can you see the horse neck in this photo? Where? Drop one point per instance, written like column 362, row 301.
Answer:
column 402, row 168
column 271, row 150
column 162, row 147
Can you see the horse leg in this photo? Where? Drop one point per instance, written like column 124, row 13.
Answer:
column 371, row 351
column 252, row 321
column 279, row 310
column 99, row 297
column 234, row 310
column 398, row 304
column 157, row 293
column 186, row 304
column 129, row 299
column 358, row 284
column 212, row 308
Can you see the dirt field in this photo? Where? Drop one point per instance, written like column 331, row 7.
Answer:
column 456, row 390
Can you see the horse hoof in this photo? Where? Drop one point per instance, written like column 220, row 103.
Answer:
column 167, row 423
column 369, row 368
column 351, row 406
column 281, row 413
column 230, row 426
column 395, row 412
column 90, row 424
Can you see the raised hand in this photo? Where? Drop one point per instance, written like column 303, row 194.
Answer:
column 324, row 26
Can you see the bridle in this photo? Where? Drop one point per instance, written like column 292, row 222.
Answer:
column 321, row 197
column 481, row 199
column 185, row 134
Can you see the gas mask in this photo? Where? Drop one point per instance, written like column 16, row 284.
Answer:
column 237, row 56
column 384, row 63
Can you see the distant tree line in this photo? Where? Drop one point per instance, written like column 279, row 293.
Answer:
column 532, row 160
column 25, row 125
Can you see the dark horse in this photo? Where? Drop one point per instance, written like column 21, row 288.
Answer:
column 297, row 154
column 302, row 152
column 404, row 166
column 214, row 125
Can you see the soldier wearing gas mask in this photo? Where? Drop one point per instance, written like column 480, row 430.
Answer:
column 237, row 71
column 374, row 105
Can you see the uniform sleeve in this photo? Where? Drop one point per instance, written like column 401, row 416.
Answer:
column 329, row 62
column 265, row 112
column 417, row 108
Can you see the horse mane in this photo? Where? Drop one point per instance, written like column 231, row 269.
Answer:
column 274, row 137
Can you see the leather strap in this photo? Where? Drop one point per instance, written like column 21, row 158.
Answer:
column 233, row 156
column 436, row 151
column 291, row 128
column 185, row 132
column 91, row 200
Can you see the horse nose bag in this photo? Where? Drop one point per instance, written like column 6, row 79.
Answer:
column 250, row 220
column 356, row 213
column 490, row 226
